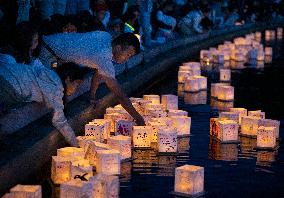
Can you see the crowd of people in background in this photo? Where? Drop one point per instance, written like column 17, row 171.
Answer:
column 36, row 36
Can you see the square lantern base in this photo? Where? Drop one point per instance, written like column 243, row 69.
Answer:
column 199, row 90
column 184, row 136
column 248, row 136
column 225, row 81
column 266, row 148
column 130, row 159
column 221, row 100
column 177, row 194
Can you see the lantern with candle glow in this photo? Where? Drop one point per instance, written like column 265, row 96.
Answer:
column 225, row 75
column 122, row 144
column 177, row 113
column 241, row 111
column 95, row 130
column 189, row 180
column 25, row 191
column 170, row 102
column 228, row 131
column 108, row 162
column 182, row 125
column 123, row 127
column 191, row 85
column 91, row 152
column 105, row 186
column 167, row 140
column 107, row 126
column 226, row 93
column 142, row 136
column 205, row 57
column 76, row 188
column 81, row 168
column 73, row 153
column 156, row 126
column 192, row 65
column 155, row 99
column 116, row 116
column 238, row 57
column 279, row 32
column 215, row 89
column 266, row 137
column 250, row 126
column 229, row 116
column 202, row 81
column 60, row 169
column 165, row 120
column 227, row 55
column 84, row 141
column 183, row 75
column 258, row 35
column 257, row 113
column 268, row 51
column 271, row 123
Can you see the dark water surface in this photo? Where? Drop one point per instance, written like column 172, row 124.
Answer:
column 231, row 170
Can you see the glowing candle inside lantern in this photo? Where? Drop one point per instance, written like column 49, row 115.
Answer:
column 142, row 136
column 242, row 112
column 71, row 152
column 156, row 126
column 250, row 125
column 170, row 102
column 191, row 85
column 91, row 153
column 215, row 89
column 271, row 123
column 105, row 186
column 266, row 137
column 182, row 124
column 189, row 180
column 60, row 169
column 226, row 93
column 155, row 99
column 183, row 75
column 225, row 75
column 228, row 131
column 202, row 81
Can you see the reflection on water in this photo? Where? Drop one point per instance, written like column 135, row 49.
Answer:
column 195, row 98
column 224, row 152
column 265, row 158
column 167, row 165
column 248, row 148
column 183, row 145
column 221, row 105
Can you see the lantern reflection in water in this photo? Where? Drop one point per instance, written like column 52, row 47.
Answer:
column 247, row 148
column 221, row 105
column 224, row 152
column 183, row 145
column 144, row 160
column 166, row 165
column 189, row 180
column 250, row 126
column 265, row 158
column 195, row 98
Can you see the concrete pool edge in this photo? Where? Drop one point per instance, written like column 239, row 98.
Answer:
column 34, row 154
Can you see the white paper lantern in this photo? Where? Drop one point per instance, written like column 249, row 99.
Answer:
column 95, row 130
column 239, row 57
column 81, row 168
column 123, row 127
column 166, row 121
column 260, row 55
column 250, row 125
column 116, row 116
column 156, row 126
column 242, row 112
column 266, row 137
column 189, row 180
column 71, row 152
column 60, row 169
column 257, row 113
column 170, row 102
column 107, row 126
column 229, row 116
column 155, row 99
column 225, row 75
column 177, row 113
column 271, row 123
column 215, row 89
column 105, row 186
column 228, row 131
column 25, row 191
column 191, row 85
column 226, row 93
column 108, row 162
column 192, row 65
column 258, row 35
column 76, row 188
column 93, row 148
column 84, row 141
column 182, row 125
column 183, row 75
column 167, row 140
column 122, row 144
column 142, row 136
column 202, row 80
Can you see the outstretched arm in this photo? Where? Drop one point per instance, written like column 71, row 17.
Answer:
column 116, row 89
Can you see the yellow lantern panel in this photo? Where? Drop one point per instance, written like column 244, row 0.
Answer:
column 108, row 162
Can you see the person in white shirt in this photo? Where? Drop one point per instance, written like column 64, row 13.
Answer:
column 96, row 50
column 191, row 23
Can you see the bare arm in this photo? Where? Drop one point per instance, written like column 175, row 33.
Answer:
column 116, row 89
column 94, row 85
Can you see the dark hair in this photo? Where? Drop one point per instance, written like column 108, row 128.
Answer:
column 23, row 37
column 73, row 71
column 127, row 39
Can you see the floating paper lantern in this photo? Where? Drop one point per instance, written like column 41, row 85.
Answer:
column 81, row 168
column 239, row 57
column 84, row 141
column 166, row 121
column 202, row 80
column 167, row 140
column 156, row 126
column 268, row 51
column 257, row 113
column 95, row 130
column 170, row 102
column 107, row 126
column 189, row 180
column 195, row 98
column 191, row 85
column 250, row 126
column 142, row 136
column 71, row 152
column 108, row 162
column 225, row 74
column 258, row 35
column 91, row 152
column 215, row 89
column 266, row 137
column 229, row 116
column 26, row 191
column 76, row 188
column 116, row 116
column 241, row 111
column 271, row 123
column 226, row 93
column 105, row 186
column 183, row 75
column 228, row 131
column 123, row 127
column 155, row 113
column 177, row 113
column 155, row 99
column 227, row 55
column 60, row 169
column 182, row 125
column 122, row 144
column 192, row 65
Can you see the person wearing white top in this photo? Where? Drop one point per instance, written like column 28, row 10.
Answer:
column 96, row 50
